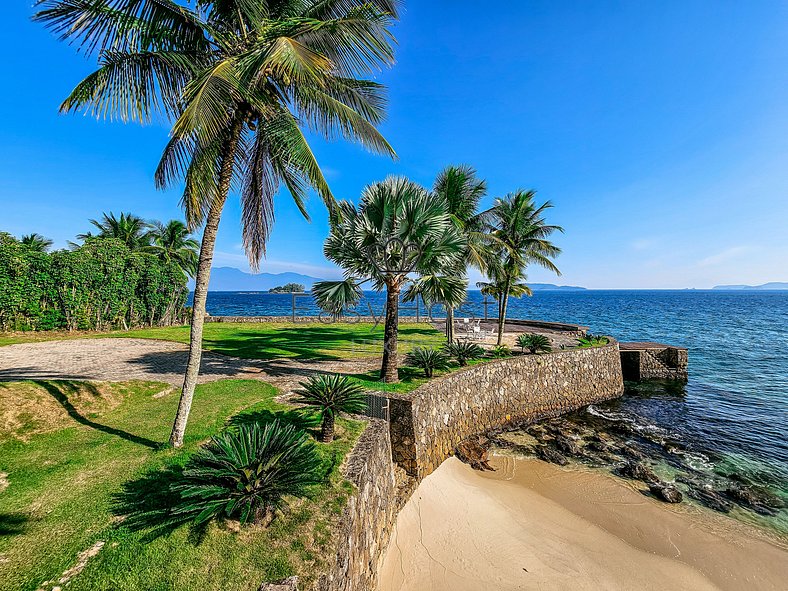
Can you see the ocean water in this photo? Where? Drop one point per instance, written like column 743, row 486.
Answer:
column 733, row 410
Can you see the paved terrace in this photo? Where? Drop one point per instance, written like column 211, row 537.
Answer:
column 559, row 333
column 120, row 359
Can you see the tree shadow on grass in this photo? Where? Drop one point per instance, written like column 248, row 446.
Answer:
column 13, row 523
column 60, row 391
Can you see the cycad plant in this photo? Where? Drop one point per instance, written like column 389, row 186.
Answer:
column 239, row 80
column 246, row 473
column 463, row 351
column 535, row 343
column 591, row 340
column 427, row 359
column 331, row 395
column 399, row 228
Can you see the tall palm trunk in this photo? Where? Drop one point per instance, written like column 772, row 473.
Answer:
column 502, row 310
column 201, row 286
column 388, row 371
column 449, row 324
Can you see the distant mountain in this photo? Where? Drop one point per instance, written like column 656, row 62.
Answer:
column 774, row 285
column 231, row 279
column 553, row 287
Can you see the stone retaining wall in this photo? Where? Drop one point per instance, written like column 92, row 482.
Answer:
column 428, row 423
column 366, row 521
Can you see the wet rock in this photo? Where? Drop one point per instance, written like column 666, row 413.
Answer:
column 672, row 446
column 665, row 492
column 637, row 471
column 567, row 445
column 711, row 499
column 474, row 453
column 550, row 455
column 758, row 499
column 631, row 452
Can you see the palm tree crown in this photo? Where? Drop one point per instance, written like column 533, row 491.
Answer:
column 130, row 229
column 171, row 243
column 36, row 242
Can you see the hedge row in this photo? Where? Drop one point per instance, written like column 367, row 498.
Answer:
column 98, row 286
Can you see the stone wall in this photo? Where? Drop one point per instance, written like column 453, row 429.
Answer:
column 665, row 363
column 366, row 521
column 429, row 422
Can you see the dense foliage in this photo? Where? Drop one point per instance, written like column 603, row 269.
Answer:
column 427, row 359
column 288, row 288
column 246, row 473
column 100, row 285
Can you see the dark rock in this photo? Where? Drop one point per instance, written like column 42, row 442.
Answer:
column 758, row 499
column 665, row 492
column 711, row 499
column 598, row 446
column 672, row 446
column 637, row 471
column 473, row 452
column 567, row 445
column 550, row 455
column 631, row 452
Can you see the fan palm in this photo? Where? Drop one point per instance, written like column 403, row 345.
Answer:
column 519, row 238
column 130, row 229
column 398, row 228
column 36, row 242
column 239, row 79
column 463, row 191
column 171, row 243
column 331, row 394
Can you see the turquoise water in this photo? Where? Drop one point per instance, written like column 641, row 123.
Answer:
column 734, row 409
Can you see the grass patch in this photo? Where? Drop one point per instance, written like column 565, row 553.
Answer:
column 97, row 472
column 410, row 378
column 271, row 340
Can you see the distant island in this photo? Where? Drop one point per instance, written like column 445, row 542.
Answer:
column 288, row 288
column 773, row 286
column 232, row 279
column 553, row 287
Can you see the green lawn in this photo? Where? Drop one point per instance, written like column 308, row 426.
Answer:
column 82, row 462
column 272, row 340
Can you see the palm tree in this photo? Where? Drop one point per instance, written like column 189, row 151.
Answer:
column 36, row 242
column 130, row 229
column 519, row 238
column 171, row 243
column 331, row 394
column 239, row 79
column 449, row 291
column 463, row 191
column 397, row 229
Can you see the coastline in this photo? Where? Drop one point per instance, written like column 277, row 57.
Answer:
column 535, row 525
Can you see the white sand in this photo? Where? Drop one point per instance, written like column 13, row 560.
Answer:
column 531, row 525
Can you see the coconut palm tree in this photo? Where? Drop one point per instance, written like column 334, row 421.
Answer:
column 238, row 79
column 130, row 229
column 463, row 191
column 171, row 243
column 36, row 242
column 398, row 228
column 519, row 238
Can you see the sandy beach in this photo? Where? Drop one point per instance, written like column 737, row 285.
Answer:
column 532, row 525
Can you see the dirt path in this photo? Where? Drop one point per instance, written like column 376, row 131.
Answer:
column 115, row 360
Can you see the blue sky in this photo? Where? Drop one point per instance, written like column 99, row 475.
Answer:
column 658, row 129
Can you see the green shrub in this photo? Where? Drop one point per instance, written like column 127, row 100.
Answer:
column 245, row 473
column 535, row 343
column 427, row 359
column 463, row 351
column 590, row 340
column 501, row 351
column 331, row 394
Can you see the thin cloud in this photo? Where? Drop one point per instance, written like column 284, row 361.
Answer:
column 724, row 256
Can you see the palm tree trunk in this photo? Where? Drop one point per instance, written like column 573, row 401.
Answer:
column 449, row 324
column 327, row 428
column 388, row 371
column 502, row 313
column 201, row 286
